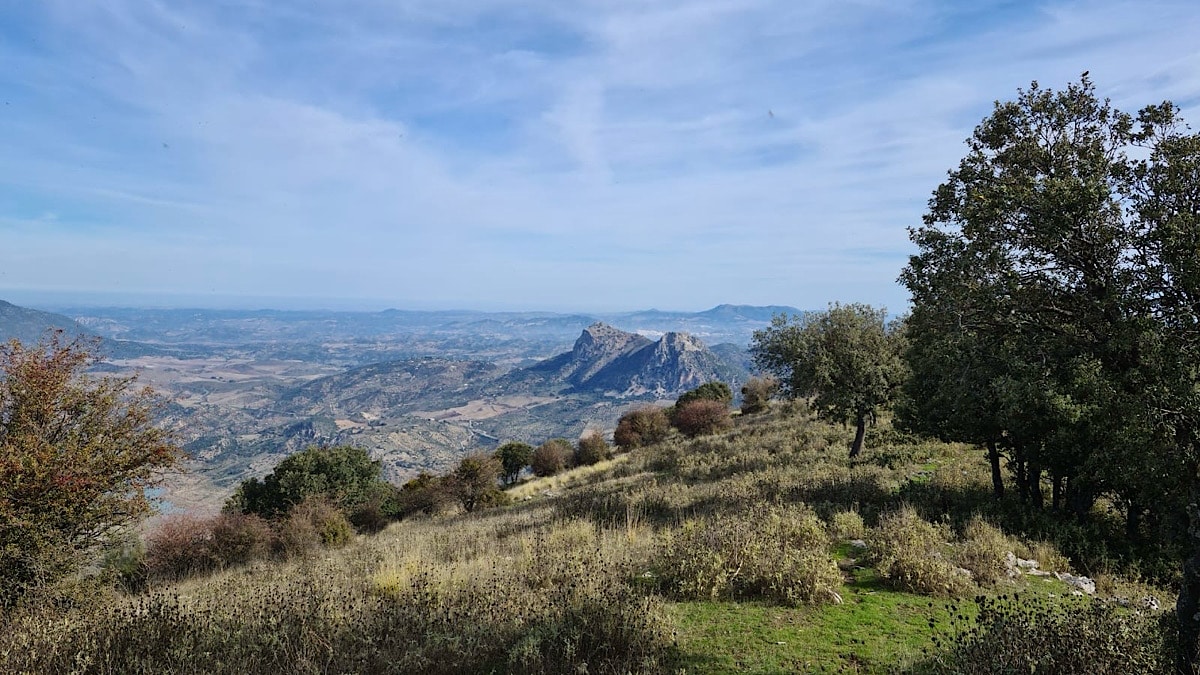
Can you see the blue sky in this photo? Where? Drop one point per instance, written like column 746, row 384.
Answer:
column 517, row 154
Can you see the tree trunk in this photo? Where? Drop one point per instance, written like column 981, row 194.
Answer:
column 1133, row 519
column 997, row 477
column 1187, row 607
column 1057, row 489
column 1034, row 485
column 859, row 433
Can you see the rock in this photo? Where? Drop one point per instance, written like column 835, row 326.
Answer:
column 1082, row 583
column 1150, row 602
column 858, row 543
column 965, row 572
column 1027, row 564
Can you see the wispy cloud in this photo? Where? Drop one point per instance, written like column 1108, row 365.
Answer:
column 521, row 153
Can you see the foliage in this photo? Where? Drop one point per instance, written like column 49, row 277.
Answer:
column 551, row 457
column 701, row 417
column 344, row 474
column 1055, row 293
column 847, row 358
column 591, row 449
column 709, row 391
column 77, row 455
column 1015, row 634
column 847, row 525
column 641, row 427
column 474, row 481
column 770, row 552
column 423, row 494
column 514, row 456
column 757, row 394
column 910, row 554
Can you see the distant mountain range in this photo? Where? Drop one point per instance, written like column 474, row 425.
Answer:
column 417, row 389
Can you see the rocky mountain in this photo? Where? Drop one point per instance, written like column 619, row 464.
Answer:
column 606, row 360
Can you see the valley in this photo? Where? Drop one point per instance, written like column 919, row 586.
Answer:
column 243, row 389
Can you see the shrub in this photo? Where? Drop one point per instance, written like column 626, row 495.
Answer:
column 423, row 494
column 311, row 524
column 369, row 518
column 179, row 547
column 699, row 418
column 709, row 391
column 983, row 551
column 1030, row 635
column 757, row 394
column 551, row 457
column 771, row 553
column 238, row 538
column 847, row 525
column 592, row 449
column 473, row 482
column 514, row 456
column 641, row 427
column 909, row 553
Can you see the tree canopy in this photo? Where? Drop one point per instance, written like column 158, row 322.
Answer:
column 846, row 358
column 77, row 455
column 1056, row 299
column 345, row 474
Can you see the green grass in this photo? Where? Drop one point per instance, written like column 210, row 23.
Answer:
column 874, row 630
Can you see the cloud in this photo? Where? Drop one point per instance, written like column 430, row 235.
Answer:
column 522, row 153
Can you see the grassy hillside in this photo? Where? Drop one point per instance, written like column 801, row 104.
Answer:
column 763, row 549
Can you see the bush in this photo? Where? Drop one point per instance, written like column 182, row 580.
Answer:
column 423, row 494
column 473, row 482
column 983, row 551
column 1030, row 635
column 847, row 525
column 181, row 546
column 641, row 427
column 757, row 394
column 709, row 391
column 909, row 553
column 312, row 524
column 592, row 449
column 700, row 418
column 238, row 538
column 771, row 553
column 551, row 457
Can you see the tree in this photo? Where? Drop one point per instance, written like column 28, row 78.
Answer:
column 77, row 455
column 473, row 482
column 757, row 394
column 640, row 427
column 551, row 457
column 514, row 456
column 1056, row 294
column 592, row 448
column 345, row 474
column 709, row 391
column 846, row 358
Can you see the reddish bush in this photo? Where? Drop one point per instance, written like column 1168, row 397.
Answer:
column 179, row 547
column 644, row 426
column 238, row 538
column 699, row 418
column 551, row 457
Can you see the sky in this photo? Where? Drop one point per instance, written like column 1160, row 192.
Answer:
column 586, row 155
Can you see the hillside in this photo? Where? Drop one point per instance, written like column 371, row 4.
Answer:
column 761, row 550
column 30, row 325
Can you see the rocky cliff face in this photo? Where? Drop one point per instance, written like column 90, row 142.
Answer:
column 605, row 359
